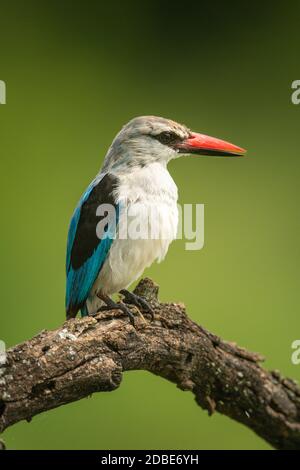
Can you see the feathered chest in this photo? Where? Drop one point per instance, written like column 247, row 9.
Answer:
column 148, row 197
column 151, row 183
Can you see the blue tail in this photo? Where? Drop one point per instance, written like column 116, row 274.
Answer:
column 84, row 311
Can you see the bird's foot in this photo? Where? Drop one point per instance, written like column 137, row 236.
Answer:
column 110, row 304
column 139, row 302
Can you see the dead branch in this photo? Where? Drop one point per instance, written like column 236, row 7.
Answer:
column 89, row 355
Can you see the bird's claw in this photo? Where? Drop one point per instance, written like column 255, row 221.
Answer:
column 134, row 299
column 117, row 306
column 128, row 312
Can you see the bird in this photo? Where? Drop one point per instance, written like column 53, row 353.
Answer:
column 133, row 179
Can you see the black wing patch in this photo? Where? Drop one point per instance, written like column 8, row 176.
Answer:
column 86, row 239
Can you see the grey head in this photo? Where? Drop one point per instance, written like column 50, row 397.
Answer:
column 148, row 139
column 144, row 140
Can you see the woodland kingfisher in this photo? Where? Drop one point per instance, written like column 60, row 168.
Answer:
column 134, row 175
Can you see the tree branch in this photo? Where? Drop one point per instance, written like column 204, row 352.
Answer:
column 90, row 354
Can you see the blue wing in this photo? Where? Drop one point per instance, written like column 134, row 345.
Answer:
column 86, row 252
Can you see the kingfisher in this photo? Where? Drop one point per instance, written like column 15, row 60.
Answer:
column 133, row 179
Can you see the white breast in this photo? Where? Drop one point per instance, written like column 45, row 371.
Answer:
column 143, row 191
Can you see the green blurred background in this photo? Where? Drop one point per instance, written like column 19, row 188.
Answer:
column 75, row 73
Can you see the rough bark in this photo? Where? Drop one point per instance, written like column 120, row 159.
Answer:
column 89, row 355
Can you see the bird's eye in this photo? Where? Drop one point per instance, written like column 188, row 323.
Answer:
column 167, row 138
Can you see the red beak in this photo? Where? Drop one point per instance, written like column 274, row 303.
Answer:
column 204, row 145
